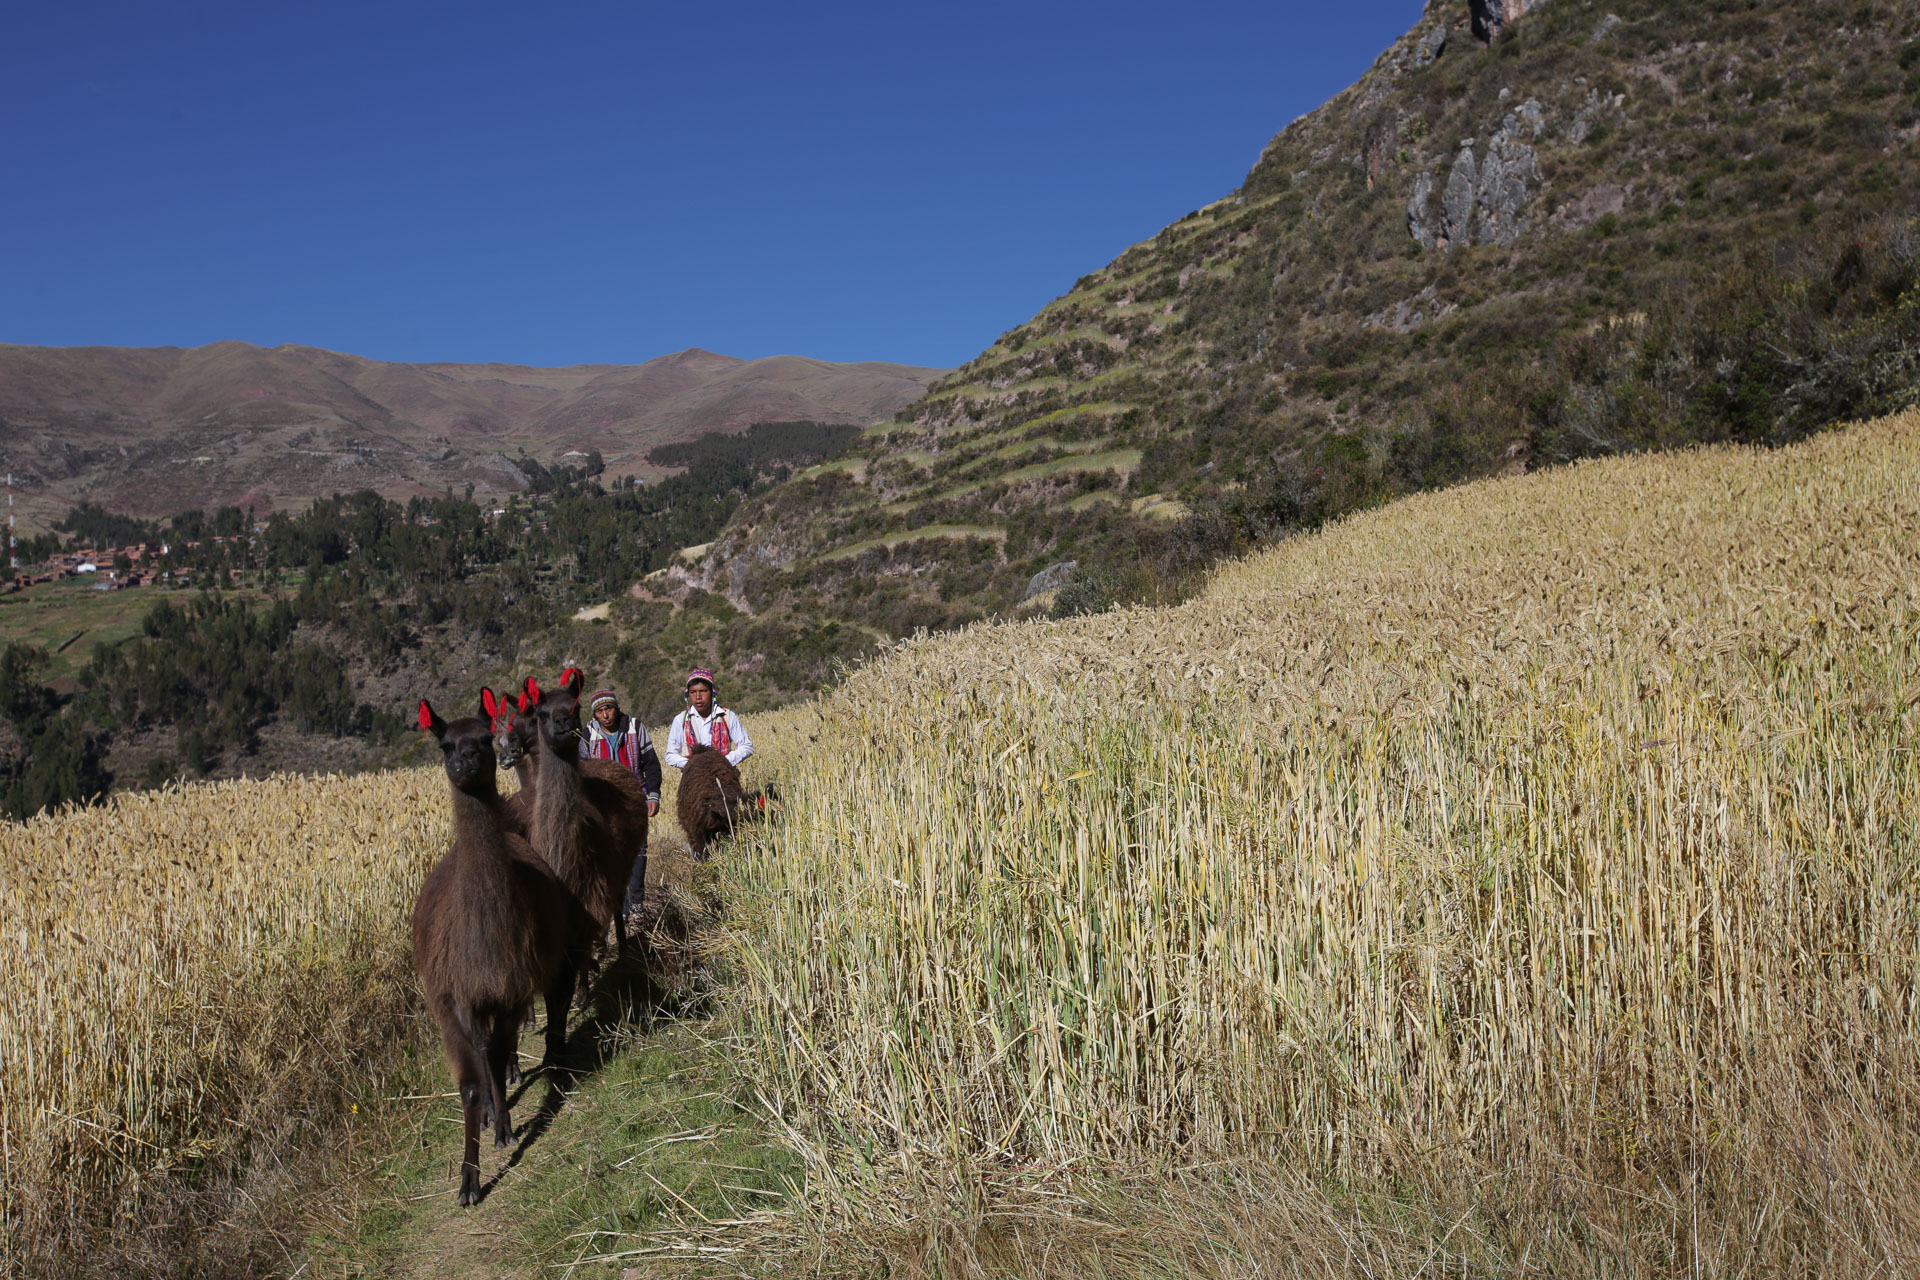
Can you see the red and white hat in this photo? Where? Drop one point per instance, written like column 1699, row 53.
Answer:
column 703, row 675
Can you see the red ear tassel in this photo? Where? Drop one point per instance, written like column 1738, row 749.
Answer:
column 426, row 715
column 533, row 690
column 572, row 675
column 523, row 704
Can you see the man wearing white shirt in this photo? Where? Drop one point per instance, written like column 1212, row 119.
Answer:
column 706, row 723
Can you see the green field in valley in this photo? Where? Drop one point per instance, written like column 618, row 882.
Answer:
column 68, row 618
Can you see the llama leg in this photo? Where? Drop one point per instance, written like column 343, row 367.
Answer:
column 503, row 1047
column 559, row 1001
column 586, row 968
column 477, row 1032
column 470, row 1073
column 520, row 1019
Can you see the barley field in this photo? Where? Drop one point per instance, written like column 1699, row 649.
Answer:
column 194, row 977
column 1541, row 850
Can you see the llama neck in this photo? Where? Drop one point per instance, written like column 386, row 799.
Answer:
column 558, row 810
column 477, row 831
column 524, row 771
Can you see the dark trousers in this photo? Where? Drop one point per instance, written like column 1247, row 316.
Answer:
column 637, row 883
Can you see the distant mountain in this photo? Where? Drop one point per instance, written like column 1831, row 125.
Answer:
column 1530, row 232
column 151, row 431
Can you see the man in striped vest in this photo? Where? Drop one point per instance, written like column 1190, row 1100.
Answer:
column 613, row 735
column 706, row 723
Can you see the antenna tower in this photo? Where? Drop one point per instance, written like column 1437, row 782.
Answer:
column 13, row 553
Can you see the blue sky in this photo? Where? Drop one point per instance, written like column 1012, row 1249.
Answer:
column 610, row 182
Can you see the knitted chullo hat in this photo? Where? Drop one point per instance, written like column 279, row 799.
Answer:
column 704, row 675
column 602, row 695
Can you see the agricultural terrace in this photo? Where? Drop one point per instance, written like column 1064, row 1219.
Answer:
column 1519, row 878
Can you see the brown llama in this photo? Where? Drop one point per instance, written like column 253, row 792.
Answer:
column 588, row 824
column 712, row 802
column 610, row 790
column 492, row 929
column 621, row 800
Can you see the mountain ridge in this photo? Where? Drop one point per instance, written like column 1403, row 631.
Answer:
column 149, row 431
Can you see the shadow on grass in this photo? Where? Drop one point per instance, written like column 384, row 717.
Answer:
column 626, row 1002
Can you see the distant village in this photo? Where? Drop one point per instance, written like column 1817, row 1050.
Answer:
column 121, row 568
column 117, row 568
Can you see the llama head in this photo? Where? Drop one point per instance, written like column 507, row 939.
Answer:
column 555, row 712
column 466, row 746
column 514, row 736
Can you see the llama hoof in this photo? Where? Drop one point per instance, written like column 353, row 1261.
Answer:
column 469, row 1185
column 503, row 1138
column 513, row 1074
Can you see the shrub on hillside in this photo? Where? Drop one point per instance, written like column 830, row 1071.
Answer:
column 1765, row 354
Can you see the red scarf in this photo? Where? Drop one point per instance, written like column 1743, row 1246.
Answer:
column 627, row 754
column 722, row 740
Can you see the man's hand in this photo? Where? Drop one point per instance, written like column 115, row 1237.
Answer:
column 653, row 808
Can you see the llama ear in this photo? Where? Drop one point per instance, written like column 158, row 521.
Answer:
column 572, row 679
column 432, row 723
column 531, row 698
column 491, row 705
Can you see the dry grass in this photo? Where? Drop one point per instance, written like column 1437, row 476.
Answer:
column 1536, row 857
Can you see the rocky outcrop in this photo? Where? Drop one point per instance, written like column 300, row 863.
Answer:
column 1430, row 47
column 1597, row 109
column 1054, row 575
column 1418, row 224
column 1505, row 174
column 1409, row 314
column 1456, row 207
column 1490, row 17
column 1487, row 191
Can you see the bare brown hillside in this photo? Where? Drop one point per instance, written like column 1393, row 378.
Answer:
column 151, row 431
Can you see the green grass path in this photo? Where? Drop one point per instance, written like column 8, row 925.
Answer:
column 647, row 1160
column 642, row 1159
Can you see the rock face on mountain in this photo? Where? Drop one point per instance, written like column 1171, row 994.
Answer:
column 1490, row 17
column 1379, row 308
column 1484, row 197
column 151, row 431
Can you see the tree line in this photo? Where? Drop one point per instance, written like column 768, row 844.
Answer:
column 356, row 583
